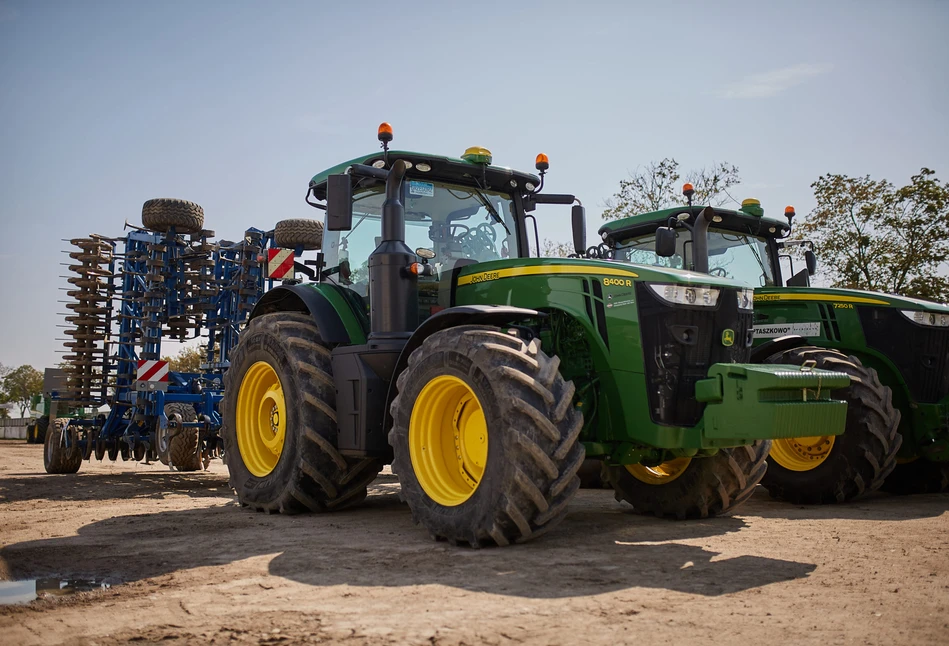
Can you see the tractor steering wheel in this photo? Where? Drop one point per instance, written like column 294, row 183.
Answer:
column 487, row 230
column 718, row 271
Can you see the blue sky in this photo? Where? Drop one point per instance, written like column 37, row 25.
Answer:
column 235, row 105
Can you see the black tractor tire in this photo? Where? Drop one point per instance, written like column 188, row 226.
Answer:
column 56, row 457
column 185, row 413
column 863, row 456
column 39, row 430
column 164, row 213
column 918, row 476
column 530, row 470
column 708, row 486
column 299, row 233
column 310, row 474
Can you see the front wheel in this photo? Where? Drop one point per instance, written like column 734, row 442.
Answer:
column 279, row 425
column 823, row 469
column 692, row 487
column 485, row 437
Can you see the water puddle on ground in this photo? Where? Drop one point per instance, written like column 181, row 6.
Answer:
column 12, row 592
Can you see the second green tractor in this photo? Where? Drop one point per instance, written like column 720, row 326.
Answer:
column 895, row 349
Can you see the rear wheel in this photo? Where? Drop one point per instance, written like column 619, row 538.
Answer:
column 918, row 476
column 829, row 469
column 58, row 458
column 692, row 487
column 39, row 429
column 280, row 421
column 485, row 437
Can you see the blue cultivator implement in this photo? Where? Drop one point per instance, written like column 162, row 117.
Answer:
column 163, row 281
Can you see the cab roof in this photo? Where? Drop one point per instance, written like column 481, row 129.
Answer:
column 647, row 222
column 450, row 169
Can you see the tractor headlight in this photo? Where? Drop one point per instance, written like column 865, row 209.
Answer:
column 687, row 295
column 926, row 318
column 746, row 299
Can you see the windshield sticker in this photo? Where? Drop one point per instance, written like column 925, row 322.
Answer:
column 775, row 331
column 422, row 189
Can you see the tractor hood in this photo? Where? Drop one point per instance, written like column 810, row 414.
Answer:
column 854, row 296
column 498, row 269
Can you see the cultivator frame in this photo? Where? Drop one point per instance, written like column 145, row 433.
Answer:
column 127, row 295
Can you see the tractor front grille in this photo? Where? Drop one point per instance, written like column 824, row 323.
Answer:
column 680, row 343
column 920, row 352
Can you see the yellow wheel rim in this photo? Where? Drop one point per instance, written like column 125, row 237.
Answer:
column 261, row 419
column 448, row 440
column 661, row 474
column 802, row 453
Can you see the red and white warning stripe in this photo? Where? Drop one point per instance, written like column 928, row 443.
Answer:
column 152, row 371
column 280, row 263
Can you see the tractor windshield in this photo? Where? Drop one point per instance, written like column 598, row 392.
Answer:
column 735, row 255
column 460, row 224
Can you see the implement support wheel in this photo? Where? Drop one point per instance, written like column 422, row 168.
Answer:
column 58, row 458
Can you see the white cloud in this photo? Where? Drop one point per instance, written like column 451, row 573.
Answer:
column 768, row 84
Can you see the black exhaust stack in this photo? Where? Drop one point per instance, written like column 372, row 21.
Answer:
column 700, row 239
column 393, row 290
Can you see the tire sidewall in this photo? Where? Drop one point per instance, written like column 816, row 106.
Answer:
column 486, row 499
column 254, row 347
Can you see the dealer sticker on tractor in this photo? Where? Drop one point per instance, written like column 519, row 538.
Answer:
column 422, row 189
column 784, row 329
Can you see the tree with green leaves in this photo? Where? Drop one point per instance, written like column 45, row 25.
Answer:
column 19, row 385
column 877, row 237
column 658, row 185
column 188, row 359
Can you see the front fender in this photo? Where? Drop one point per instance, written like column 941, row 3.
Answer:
column 776, row 346
column 452, row 317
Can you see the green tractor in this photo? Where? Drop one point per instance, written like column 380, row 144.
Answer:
column 429, row 338
column 895, row 349
column 42, row 405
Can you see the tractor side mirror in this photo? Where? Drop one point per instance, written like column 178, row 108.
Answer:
column 665, row 242
column 339, row 203
column 810, row 259
column 578, row 219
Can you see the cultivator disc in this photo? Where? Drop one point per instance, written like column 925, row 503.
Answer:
column 90, row 292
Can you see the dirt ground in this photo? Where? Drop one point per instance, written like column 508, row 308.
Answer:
column 189, row 566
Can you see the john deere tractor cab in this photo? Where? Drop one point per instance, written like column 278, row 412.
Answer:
column 429, row 338
column 895, row 349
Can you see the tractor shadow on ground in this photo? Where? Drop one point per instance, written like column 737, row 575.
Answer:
column 875, row 506
column 122, row 485
column 600, row 547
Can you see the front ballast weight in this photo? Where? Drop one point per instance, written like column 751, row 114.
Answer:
column 165, row 280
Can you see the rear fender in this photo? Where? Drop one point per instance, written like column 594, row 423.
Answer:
column 333, row 316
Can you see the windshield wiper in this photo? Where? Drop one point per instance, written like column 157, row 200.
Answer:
column 487, row 204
